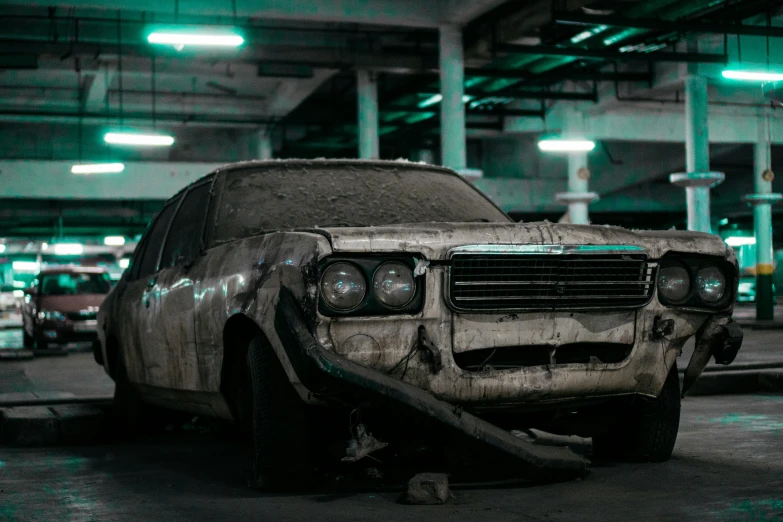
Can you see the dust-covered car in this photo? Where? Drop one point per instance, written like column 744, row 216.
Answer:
column 269, row 288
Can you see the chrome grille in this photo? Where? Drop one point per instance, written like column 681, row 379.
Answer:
column 551, row 281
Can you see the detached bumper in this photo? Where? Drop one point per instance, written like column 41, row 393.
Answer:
column 721, row 338
column 319, row 369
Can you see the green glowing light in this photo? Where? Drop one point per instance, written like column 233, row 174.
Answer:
column 752, row 76
column 179, row 37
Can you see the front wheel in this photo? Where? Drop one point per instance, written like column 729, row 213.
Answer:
column 646, row 430
column 280, row 427
column 129, row 409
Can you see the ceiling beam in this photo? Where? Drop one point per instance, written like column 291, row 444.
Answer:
column 601, row 54
column 652, row 24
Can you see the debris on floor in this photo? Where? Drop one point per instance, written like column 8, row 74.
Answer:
column 428, row 489
column 362, row 445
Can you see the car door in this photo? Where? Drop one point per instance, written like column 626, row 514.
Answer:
column 139, row 319
column 181, row 269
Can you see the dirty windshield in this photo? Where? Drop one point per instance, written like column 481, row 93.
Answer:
column 300, row 196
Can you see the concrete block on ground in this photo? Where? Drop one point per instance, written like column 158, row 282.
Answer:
column 428, row 489
column 29, row 426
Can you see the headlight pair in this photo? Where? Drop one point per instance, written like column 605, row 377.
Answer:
column 694, row 283
column 49, row 315
column 344, row 286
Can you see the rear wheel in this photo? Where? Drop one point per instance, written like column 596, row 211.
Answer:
column 646, row 430
column 280, row 427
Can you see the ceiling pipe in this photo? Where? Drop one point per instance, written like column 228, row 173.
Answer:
column 653, row 24
column 600, row 54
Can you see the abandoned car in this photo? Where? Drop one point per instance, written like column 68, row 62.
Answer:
column 268, row 289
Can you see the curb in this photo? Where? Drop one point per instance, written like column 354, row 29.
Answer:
column 47, row 425
column 737, row 381
column 761, row 325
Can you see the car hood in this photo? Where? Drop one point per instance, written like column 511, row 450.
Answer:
column 70, row 303
column 434, row 240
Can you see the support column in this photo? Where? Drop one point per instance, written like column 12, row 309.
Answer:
column 698, row 179
column 452, row 88
column 578, row 196
column 762, row 202
column 264, row 144
column 367, row 89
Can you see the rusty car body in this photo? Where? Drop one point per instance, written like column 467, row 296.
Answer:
column 256, row 292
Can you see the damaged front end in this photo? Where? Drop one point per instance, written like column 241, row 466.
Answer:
column 721, row 338
column 323, row 372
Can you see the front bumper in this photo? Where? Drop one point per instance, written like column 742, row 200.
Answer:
column 326, row 373
column 66, row 332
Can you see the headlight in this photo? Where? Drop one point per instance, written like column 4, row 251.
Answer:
column 48, row 315
column 674, row 283
column 343, row 286
column 393, row 284
column 710, row 283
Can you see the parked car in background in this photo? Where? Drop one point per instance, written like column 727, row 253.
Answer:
column 9, row 301
column 268, row 291
column 61, row 306
column 746, row 290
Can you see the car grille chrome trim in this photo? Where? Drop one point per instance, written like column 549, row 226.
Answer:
column 485, row 278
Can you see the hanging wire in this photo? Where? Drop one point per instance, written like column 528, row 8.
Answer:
column 81, row 104
column 769, row 25
column 119, row 61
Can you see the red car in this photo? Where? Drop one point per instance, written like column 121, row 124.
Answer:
column 62, row 306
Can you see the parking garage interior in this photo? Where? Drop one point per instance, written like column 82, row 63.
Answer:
column 642, row 114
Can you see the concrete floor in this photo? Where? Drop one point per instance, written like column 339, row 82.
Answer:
column 728, row 465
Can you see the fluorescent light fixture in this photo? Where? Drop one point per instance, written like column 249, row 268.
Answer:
column 752, row 76
column 195, row 37
column 44, row 246
column 68, row 249
column 147, row 140
column 124, row 262
column 2, row 248
column 97, row 168
column 20, row 284
column 724, row 221
column 114, row 240
column 25, row 266
column 18, row 293
column 740, row 241
column 566, row 145
column 436, row 98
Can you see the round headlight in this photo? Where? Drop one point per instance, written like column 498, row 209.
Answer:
column 393, row 284
column 674, row 282
column 710, row 283
column 343, row 286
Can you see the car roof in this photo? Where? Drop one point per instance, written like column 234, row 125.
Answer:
column 320, row 163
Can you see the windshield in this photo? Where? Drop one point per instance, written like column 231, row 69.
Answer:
column 75, row 283
column 302, row 196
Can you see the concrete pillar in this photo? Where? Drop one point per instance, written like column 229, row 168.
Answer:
column 578, row 196
column 762, row 202
column 264, row 144
column 697, row 180
column 452, row 88
column 367, row 90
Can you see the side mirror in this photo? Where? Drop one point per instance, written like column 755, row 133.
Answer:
column 31, row 290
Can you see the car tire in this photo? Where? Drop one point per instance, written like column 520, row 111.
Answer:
column 27, row 340
column 128, row 408
column 280, row 427
column 646, row 430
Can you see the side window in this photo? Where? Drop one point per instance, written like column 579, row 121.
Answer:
column 186, row 229
column 154, row 241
